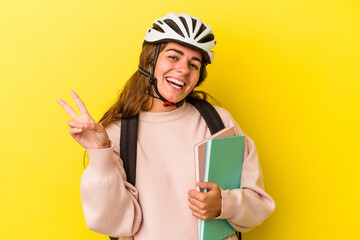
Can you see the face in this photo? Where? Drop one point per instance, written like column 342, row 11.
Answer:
column 177, row 71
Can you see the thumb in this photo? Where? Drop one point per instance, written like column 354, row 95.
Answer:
column 207, row 185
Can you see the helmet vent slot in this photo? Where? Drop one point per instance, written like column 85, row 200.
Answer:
column 157, row 28
column 174, row 27
column 207, row 38
column 185, row 25
column 202, row 28
column 193, row 24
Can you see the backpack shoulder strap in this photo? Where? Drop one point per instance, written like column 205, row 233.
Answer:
column 209, row 113
column 128, row 146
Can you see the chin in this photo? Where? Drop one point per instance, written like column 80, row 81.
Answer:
column 174, row 99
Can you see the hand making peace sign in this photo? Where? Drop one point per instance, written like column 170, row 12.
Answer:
column 87, row 132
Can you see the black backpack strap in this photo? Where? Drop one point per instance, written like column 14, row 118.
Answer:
column 128, row 146
column 209, row 113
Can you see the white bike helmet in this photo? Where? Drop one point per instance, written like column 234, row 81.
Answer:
column 185, row 30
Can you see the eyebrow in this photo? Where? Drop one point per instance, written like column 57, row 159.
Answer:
column 182, row 54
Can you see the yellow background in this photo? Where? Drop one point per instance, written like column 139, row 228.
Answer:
column 288, row 71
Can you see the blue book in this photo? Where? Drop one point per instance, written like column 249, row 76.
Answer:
column 223, row 164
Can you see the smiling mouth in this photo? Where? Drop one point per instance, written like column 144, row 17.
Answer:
column 175, row 83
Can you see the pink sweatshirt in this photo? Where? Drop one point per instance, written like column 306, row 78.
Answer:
column 157, row 207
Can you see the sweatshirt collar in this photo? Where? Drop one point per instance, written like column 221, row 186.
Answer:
column 165, row 116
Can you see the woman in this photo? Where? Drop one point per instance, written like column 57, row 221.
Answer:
column 163, row 204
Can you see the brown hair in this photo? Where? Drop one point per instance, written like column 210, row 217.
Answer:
column 133, row 96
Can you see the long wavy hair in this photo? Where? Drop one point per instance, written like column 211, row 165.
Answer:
column 133, row 96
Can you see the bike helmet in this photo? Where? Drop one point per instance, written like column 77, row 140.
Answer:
column 185, row 30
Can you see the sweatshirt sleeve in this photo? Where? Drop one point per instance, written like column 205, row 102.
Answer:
column 247, row 207
column 110, row 204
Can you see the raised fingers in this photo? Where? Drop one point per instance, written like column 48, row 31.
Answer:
column 79, row 103
column 67, row 108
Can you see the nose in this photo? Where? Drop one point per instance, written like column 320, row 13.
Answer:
column 183, row 67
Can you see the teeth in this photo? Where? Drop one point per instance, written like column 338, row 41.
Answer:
column 175, row 81
column 175, row 86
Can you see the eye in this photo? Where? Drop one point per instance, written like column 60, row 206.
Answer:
column 194, row 66
column 173, row 57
